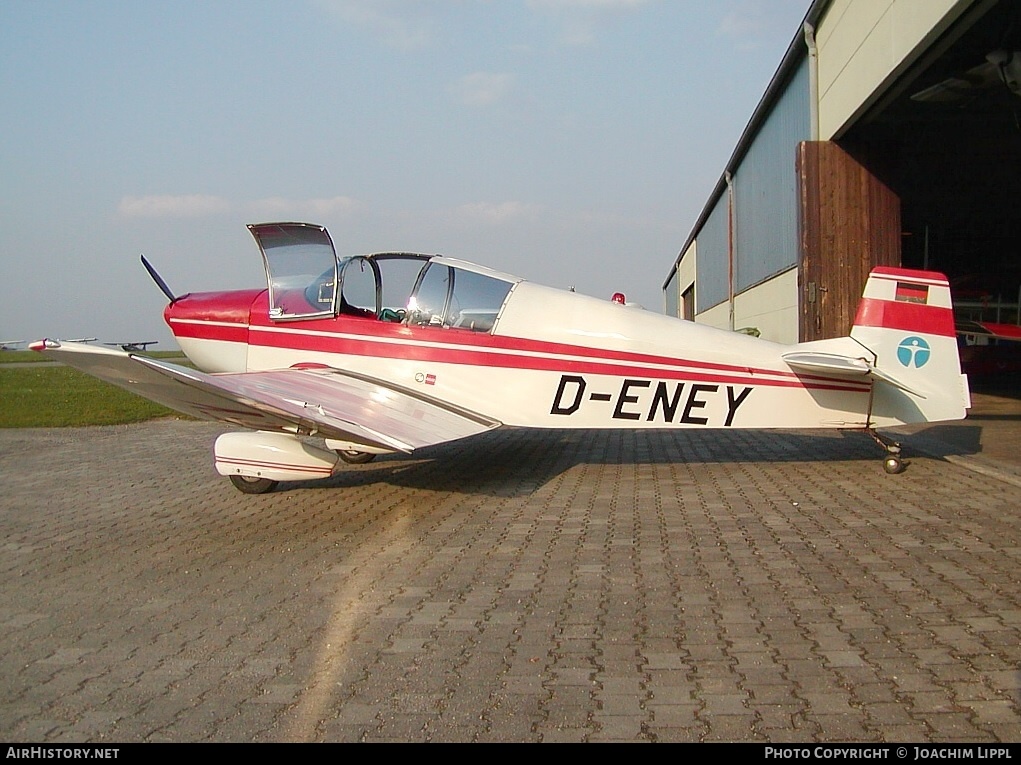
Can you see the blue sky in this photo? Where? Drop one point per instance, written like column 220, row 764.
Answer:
column 571, row 142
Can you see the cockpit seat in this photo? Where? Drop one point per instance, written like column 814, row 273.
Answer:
column 389, row 314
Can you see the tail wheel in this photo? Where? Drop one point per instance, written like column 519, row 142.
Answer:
column 356, row 458
column 249, row 485
column 893, row 465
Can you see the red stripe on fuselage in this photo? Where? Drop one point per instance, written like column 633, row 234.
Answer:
column 908, row 317
column 435, row 345
column 234, row 333
column 217, row 315
column 497, row 358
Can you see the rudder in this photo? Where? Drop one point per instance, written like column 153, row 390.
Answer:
column 906, row 319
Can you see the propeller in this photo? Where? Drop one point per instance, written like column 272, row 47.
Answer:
column 159, row 281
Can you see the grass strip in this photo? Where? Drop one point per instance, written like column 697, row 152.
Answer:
column 58, row 396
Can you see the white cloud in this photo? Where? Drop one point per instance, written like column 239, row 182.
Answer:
column 599, row 5
column 581, row 18
column 200, row 205
column 498, row 213
column 171, row 206
column 401, row 25
column 304, row 208
column 482, row 88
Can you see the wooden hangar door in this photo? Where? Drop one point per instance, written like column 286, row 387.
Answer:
column 849, row 222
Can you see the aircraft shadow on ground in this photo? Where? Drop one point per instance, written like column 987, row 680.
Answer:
column 948, row 440
column 510, row 463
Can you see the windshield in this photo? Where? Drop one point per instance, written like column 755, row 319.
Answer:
column 454, row 297
column 399, row 273
column 301, row 268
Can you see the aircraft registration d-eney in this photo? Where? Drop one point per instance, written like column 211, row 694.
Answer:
column 393, row 352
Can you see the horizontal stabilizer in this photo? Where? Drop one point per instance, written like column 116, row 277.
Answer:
column 843, row 366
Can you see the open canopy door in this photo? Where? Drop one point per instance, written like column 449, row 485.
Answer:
column 301, row 269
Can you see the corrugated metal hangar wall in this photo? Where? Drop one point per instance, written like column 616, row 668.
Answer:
column 890, row 135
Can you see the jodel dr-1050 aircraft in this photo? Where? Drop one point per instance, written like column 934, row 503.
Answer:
column 393, row 352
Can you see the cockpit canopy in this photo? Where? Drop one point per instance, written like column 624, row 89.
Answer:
column 303, row 272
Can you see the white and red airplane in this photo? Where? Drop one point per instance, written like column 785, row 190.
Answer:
column 393, row 352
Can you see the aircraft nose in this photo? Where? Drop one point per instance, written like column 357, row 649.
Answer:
column 212, row 328
column 212, row 308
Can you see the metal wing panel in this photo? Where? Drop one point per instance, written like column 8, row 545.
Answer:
column 342, row 405
column 123, row 370
column 324, row 401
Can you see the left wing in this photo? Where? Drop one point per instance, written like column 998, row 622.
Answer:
column 321, row 401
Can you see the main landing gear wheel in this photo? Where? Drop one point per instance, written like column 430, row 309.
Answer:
column 250, row 485
column 356, row 458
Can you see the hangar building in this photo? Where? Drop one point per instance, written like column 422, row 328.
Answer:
column 889, row 135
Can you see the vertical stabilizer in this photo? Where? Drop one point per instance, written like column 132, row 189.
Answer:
column 906, row 319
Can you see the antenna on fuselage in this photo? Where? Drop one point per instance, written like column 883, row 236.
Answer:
column 159, row 280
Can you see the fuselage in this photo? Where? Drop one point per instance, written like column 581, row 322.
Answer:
column 541, row 357
column 394, row 352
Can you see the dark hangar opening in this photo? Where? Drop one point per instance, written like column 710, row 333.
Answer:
column 946, row 139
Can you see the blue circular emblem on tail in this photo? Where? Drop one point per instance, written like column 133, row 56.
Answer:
column 913, row 352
